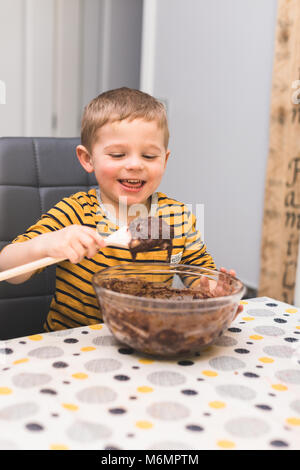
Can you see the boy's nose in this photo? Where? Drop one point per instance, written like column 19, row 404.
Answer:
column 134, row 161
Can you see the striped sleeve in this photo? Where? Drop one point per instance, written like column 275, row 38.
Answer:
column 66, row 212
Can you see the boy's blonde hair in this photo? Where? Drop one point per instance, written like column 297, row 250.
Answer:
column 116, row 105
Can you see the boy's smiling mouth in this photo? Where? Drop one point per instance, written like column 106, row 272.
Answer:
column 132, row 184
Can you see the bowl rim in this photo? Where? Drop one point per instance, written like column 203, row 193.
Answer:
column 208, row 300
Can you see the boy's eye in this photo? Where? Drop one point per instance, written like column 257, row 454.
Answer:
column 119, row 155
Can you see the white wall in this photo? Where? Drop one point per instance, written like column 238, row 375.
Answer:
column 213, row 64
column 12, row 37
column 38, row 62
column 56, row 55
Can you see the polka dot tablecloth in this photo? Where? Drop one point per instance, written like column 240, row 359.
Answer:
column 81, row 389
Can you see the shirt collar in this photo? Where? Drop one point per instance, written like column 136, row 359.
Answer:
column 109, row 216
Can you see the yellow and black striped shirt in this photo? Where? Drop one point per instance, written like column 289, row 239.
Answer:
column 74, row 302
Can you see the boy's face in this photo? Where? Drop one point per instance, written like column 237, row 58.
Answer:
column 128, row 159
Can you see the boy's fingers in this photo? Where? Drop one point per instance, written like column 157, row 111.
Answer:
column 239, row 310
column 71, row 255
column 84, row 245
column 231, row 271
column 92, row 244
column 96, row 237
column 79, row 249
column 99, row 240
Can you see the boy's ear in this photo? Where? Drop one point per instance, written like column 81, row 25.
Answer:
column 167, row 156
column 84, row 158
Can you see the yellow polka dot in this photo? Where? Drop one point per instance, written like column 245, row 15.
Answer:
column 145, row 389
column 80, row 375
column 58, row 447
column 70, row 406
column 96, row 327
column 243, row 302
column 291, row 310
column 5, row 391
column 279, row 387
column 20, row 361
column 293, row 421
column 146, row 361
column 35, row 337
column 226, row 444
column 256, row 337
column 217, row 404
column 209, row 373
column 144, row 424
column 266, row 360
column 247, row 318
column 88, row 348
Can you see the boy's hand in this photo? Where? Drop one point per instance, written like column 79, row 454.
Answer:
column 73, row 243
column 212, row 288
column 233, row 273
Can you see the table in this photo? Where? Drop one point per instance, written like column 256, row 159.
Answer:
column 81, row 389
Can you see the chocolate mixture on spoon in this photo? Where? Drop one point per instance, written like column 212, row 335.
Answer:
column 148, row 233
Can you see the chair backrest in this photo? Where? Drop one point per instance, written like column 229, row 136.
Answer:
column 35, row 173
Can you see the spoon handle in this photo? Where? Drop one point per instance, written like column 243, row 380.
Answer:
column 119, row 238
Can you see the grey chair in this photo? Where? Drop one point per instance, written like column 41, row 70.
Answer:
column 35, row 173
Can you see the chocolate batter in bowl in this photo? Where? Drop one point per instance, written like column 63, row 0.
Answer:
column 166, row 309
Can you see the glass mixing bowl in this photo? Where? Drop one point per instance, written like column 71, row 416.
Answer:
column 160, row 308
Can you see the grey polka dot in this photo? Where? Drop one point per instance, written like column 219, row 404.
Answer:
column 225, row 341
column 226, row 363
column 236, row 391
column 8, row 445
column 96, row 395
column 46, row 352
column 62, row 333
column 269, row 330
column 85, row 432
column 27, row 380
column 18, row 411
column 279, row 351
column 295, row 405
column 166, row 378
column 290, row 376
column 168, row 411
column 107, row 340
column 260, row 312
column 170, row 445
column 247, row 427
column 102, row 365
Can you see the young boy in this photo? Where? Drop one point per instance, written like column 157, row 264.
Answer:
column 124, row 141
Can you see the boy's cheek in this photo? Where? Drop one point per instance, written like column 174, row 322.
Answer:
column 105, row 173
